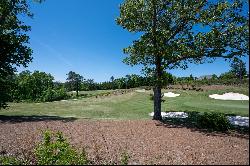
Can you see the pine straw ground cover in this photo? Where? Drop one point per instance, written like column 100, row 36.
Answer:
column 145, row 141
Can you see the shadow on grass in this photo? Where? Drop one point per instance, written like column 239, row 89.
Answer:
column 34, row 118
column 235, row 131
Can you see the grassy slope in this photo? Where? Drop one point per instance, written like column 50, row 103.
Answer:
column 131, row 106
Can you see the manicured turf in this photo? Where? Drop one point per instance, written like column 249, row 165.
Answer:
column 133, row 105
column 199, row 101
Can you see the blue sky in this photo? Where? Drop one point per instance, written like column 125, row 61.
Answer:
column 82, row 36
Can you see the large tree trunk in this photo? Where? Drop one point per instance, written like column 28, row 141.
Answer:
column 157, row 90
column 157, row 103
column 158, row 73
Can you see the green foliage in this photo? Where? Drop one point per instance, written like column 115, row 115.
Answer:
column 238, row 68
column 4, row 95
column 133, row 81
column 169, row 37
column 73, row 81
column 54, row 94
column 9, row 160
column 124, row 158
column 168, row 31
column 129, row 81
column 13, row 36
column 36, row 86
column 14, row 50
column 55, row 150
column 210, row 120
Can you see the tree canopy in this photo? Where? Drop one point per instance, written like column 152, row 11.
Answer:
column 14, row 50
column 73, row 81
column 175, row 33
column 238, row 68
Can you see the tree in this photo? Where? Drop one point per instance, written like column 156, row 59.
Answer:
column 73, row 81
column 169, row 37
column 112, row 81
column 167, row 78
column 214, row 77
column 238, row 68
column 14, row 50
column 36, row 86
column 228, row 78
column 112, row 78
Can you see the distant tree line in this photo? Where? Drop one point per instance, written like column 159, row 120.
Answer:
column 41, row 87
column 77, row 82
column 237, row 75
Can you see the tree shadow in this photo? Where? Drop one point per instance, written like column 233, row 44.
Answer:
column 34, row 118
column 235, row 131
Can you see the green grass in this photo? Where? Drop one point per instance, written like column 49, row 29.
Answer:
column 131, row 106
column 199, row 101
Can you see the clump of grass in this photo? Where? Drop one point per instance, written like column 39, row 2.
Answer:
column 124, row 158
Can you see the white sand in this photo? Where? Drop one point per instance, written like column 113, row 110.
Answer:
column 239, row 120
column 234, row 120
column 229, row 96
column 140, row 90
column 176, row 115
column 63, row 100
column 172, row 114
column 171, row 94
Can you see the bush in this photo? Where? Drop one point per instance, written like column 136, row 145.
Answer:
column 53, row 95
column 9, row 160
column 124, row 158
column 57, row 151
column 213, row 121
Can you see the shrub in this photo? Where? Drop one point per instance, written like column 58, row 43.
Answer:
column 193, row 118
column 9, row 160
column 57, row 151
column 124, row 158
column 213, row 121
column 54, row 95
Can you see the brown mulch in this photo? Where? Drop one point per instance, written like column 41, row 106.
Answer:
column 146, row 141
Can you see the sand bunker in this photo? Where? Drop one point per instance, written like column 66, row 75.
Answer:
column 229, row 96
column 171, row 94
column 140, row 90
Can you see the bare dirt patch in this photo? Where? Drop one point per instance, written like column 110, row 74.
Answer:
column 146, row 141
